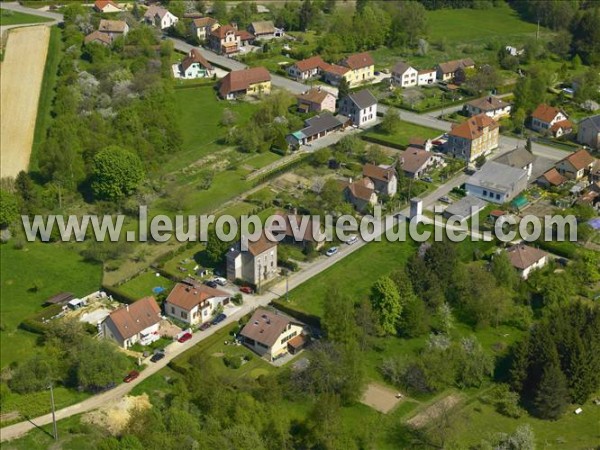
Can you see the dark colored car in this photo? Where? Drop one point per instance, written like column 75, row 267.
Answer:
column 246, row 290
column 204, row 326
column 157, row 356
column 131, row 376
column 212, row 284
column 220, row 318
column 185, row 337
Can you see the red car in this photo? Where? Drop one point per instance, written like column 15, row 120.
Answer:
column 185, row 337
column 246, row 289
column 131, row 376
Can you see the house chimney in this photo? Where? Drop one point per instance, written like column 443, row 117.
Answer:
column 127, row 306
column 350, row 180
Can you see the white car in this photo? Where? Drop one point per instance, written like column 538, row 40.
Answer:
column 332, row 251
column 220, row 280
column 352, row 240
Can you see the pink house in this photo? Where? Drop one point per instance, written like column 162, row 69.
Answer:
column 317, row 100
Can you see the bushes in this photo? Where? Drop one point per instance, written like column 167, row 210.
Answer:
column 233, row 362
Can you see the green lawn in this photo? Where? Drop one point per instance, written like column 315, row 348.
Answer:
column 402, row 136
column 30, row 276
column 262, row 160
column 353, row 275
column 199, row 115
column 8, row 17
column 142, row 285
column 477, row 24
column 212, row 351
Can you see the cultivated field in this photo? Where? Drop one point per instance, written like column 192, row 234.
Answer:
column 22, row 72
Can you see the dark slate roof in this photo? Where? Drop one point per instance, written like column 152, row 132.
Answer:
column 593, row 120
column 518, row 157
column 318, row 124
column 363, row 99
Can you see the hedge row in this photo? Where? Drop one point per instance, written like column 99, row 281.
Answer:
column 281, row 169
column 34, row 323
column 309, row 319
column 118, row 294
column 383, row 142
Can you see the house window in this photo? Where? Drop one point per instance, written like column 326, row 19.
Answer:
column 484, row 193
column 184, row 315
column 497, row 196
column 172, row 310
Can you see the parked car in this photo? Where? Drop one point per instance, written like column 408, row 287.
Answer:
column 131, row 376
column 332, row 251
column 211, row 283
column 204, row 326
column 220, row 318
column 220, row 280
column 352, row 240
column 185, row 337
column 427, row 179
column 246, row 290
column 157, row 356
column 445, row 199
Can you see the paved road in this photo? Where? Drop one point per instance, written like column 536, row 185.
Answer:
column 56, row 18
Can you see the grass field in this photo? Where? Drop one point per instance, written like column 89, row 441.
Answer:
column 28, row 277
column 17, row 18
column 199, row 115
column 402, row 136
column 142, row 285
column 473, row 25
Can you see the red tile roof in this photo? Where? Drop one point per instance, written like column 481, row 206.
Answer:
column 101, row 4
column 314, row 95
column 222, row 31
column 112, row 26
column 195, row 57
column 453, row 66
column 240, row 80
column 358, row 61
column 335, row 69
column 261, row 245
column 553, row 177
column 204, row 22
column 473, row 127
column 265, row 326
column 98, row 36
column 545, row 113
column 378, row 173
column 414, row 158
column 360, row 189
column 564, row 124
column 311, row 63
column 489, row 103
column 580, row 159
column 138, row 316
column 187, row 296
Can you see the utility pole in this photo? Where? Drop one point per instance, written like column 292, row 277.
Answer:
column 287, row 286
column 537, row 33
column 53, row 413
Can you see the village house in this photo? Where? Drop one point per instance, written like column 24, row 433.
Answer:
column 551, row 178
column 490, row 106
column 548, row 119
column 264, row 29
column 238, row 83
column 203, row 26
column 447, row 71
column 589, row 132
column 194, row 65
column 297, row 233
column 272, row 335
column 526, row 259
column 465, row 207
column 114, row 28
column 475, row 137
column 194, row 303
column 307, row 68
column 415, row 162
column 334, row 73
column 315, row 128
column 576, row 166
column 404, row 75
column 384, row 178
column 138, row 322
column 419, row 142
column 99, row 38
column 225, row 40
column 520, row 158
column 496, row 183
column 106, row 6
column 426, row 76
column 256, row 264
column 360, row 107
column 362, row 68
column 360, row 193
column 160, row 17
column 316, row 100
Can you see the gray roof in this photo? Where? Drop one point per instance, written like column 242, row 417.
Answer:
column 519, row 157
column 363, row 99
column 497, row 176
column 464, row 207
column 401, row 67
column 323, row 122
column 592, row 120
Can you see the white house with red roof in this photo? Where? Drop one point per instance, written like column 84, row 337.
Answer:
column 106, row 6
column 577, row 165
column 194, row 303
column 137, row 322
column 160, row 17
column 526, row 259
column 552, row 120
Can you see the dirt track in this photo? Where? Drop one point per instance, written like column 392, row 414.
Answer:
column 21, row 81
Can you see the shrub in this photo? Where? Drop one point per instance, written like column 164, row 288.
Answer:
column 233, row 362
